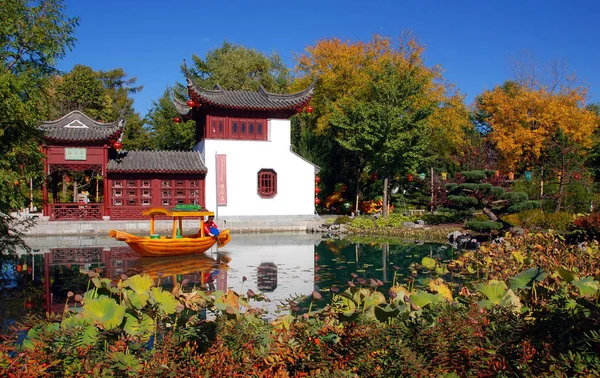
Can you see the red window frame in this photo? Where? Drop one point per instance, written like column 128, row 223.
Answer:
column 236, row 128
column 267, row 183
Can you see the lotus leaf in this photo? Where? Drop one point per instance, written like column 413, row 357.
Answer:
column 104, row 312
column 137, row 299
column 428, row 263
column 345, row 303
column 498, row 294
column 142, row 328
column 439, row 286
column 423, row 298
column 587, row 286
column 167, row 303
column 526, row 278
column 383, row 313
column 140, row 284
column 565, row 274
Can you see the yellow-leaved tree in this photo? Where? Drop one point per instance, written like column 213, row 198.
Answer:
column 345, row 71
column 535, row 124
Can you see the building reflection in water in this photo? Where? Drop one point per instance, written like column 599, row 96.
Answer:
column 280, row 265
column 266, row 277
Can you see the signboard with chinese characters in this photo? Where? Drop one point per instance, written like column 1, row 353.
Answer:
column 75, row 154
column 221, row 179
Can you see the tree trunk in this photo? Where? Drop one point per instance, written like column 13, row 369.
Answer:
column 358, row 175
column 432, row 190
column 561, row 189
column 542, row 183
column 386, row 184
column 490, row 214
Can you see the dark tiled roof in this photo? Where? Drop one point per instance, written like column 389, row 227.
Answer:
column 260, row 100
column 181, row 108
column 77, row 127
column 157, row 161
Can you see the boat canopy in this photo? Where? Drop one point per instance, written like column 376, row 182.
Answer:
column 176, row 212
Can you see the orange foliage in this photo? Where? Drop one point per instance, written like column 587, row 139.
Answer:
column 344, row 68
column 522, row 119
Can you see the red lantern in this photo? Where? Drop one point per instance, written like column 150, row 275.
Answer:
column 410, row 177
column 29, row 304
column 190, row 103
column 317, row 190
column 309, row 109
column 118, row 145
column 577, row 176
column 67, row 179
column 317, row 201
column 317, row 179
column 177, row 120
column 29, row 270
column 19, row 268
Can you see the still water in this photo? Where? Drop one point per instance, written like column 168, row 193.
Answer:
column 280, row 265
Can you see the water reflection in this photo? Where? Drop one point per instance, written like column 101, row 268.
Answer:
column 281, row 265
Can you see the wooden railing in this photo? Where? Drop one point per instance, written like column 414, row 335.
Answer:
column 75, row 211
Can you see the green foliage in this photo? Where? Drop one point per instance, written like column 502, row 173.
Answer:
column 166, row 134
column 394, row 220
column 474, row 191
column 386, row 128
column 474, row 327
column 342, row 220
column 442, row 217
column 237, row 67
column 483, row 226
column 362, row 222
column 33, row 36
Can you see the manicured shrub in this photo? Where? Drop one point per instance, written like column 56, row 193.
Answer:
column 362, row 222
column 342, row 219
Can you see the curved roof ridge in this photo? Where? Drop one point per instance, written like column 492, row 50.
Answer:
column 78, row 127
column 260, row 100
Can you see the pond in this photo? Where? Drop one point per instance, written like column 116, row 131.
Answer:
column 280, row 265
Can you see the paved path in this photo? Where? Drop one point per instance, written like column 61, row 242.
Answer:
column 234, row 224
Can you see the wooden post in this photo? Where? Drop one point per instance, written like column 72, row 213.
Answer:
column 174, row 231
column 432, row 189
column 151, row 224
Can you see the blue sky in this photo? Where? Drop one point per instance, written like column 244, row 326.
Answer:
column 473, row 41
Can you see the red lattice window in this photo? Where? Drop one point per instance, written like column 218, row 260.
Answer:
column 267, row 183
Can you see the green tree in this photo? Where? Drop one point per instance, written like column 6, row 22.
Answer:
column 238, row 67
column 477, row 191
column 81, row 89
column 387, row 129
column 120, row 89
column 33, row 36
column 168, row 135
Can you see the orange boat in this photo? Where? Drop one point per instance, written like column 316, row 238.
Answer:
column 177, row 244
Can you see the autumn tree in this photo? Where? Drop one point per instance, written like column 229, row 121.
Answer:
column 33, row 36
column 345, row 69
column 387, row 127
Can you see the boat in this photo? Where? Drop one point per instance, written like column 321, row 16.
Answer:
column 176, row 244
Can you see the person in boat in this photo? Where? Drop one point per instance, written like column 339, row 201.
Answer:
column 210, row 227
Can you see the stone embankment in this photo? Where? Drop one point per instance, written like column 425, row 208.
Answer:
column 44, row 227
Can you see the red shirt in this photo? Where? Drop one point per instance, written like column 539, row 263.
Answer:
column 207, row 225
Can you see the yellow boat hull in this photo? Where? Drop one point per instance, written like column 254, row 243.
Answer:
column 166, row 246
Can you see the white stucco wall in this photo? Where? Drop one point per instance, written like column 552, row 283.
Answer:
column 245, row 158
